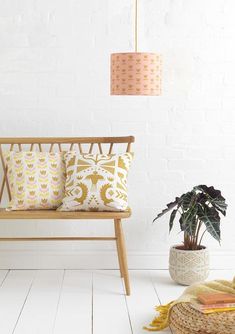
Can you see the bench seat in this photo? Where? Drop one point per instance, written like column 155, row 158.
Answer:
column 53, row 214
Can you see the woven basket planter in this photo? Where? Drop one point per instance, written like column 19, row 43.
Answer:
column 187, row 267
column 186, row 320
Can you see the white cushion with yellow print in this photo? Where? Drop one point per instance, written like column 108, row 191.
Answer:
column 96, row 182
column 36, row 180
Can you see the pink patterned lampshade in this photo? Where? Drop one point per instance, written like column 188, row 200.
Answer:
column 136, row 73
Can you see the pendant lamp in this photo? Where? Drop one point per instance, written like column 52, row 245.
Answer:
column 136, row 73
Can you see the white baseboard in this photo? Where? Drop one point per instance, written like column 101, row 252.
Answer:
column 32, row 259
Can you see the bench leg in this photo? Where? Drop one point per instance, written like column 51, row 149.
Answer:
column 122, row 254
column 118, row 249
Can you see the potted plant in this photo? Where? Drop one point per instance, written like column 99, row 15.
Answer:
column 199, row 212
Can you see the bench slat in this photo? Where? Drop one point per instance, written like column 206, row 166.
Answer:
column 53, row 214
column 71, row 140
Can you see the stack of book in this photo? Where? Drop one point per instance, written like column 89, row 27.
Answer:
column 214, row 302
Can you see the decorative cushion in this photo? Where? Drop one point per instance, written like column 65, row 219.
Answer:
column 36, row 180
column 96, row 182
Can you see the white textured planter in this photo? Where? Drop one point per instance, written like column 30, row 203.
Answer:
column 187, row 267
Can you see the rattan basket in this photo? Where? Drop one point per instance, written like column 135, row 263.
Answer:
column 186, row 320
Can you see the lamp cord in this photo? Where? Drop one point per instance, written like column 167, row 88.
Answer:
column 136, row 22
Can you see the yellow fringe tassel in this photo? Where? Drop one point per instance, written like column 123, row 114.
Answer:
column 162, row 320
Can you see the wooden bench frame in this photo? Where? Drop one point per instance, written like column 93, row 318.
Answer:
column 52, row 144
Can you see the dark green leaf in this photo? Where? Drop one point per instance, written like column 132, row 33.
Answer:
column 169, row 207
column 191, row 226
column 211, row 219
column 189, row 221
column 187, row 199
column 202, row 198
column 214, row 197
column 172, row 217
column 211, row 191
column 220, row 205
column 181, row 221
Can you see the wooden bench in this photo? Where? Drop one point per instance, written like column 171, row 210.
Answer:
column 82, row 145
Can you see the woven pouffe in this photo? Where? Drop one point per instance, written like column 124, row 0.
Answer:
column 186, row 320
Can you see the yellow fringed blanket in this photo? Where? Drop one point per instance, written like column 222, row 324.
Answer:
column 189, row 296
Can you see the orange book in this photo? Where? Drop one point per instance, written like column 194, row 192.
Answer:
column 211, row 308
column 216, row 298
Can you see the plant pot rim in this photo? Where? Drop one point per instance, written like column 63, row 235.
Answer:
column 203, row 249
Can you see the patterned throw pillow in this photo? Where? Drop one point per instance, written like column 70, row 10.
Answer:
column 96, row 182
column 36, row 180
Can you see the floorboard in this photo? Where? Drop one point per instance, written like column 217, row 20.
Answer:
column 141, row 304
column 74, row 314
column 109, row 305
column 221, row 274
column 3, row 276
column 13, row 294
column 166, row 289
column 39, row 313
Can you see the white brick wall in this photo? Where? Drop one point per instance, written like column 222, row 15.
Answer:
column 54, row 81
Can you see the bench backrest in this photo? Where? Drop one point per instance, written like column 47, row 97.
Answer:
column 84, row 145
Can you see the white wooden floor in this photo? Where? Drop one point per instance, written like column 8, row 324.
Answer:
column 83, row 302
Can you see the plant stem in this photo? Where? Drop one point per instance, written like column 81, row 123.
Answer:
column 197, row 234
column 202, row 237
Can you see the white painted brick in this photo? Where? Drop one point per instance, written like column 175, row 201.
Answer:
column 129, row 114
column 60, row 84
column 203, row 153
column 156, row 174
column 202, row 104
column 140, row 175
column 190, row 16
column 186, row 164
column 204, row 129
column 7, row 39
column 54, row 81
column 9, row 102
column 24, row 84
column 166, row 153
column 228, row 128
column 158, row 164
column 228, row 105
column 162, row 119
column 129, row 103
column 200, row 141
column 124, row 127
column 229, row 153
column 187, row 116
column 154, row 140
column 213, row 116
column 228, row 51
column 204, row 176
column 27, row 60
